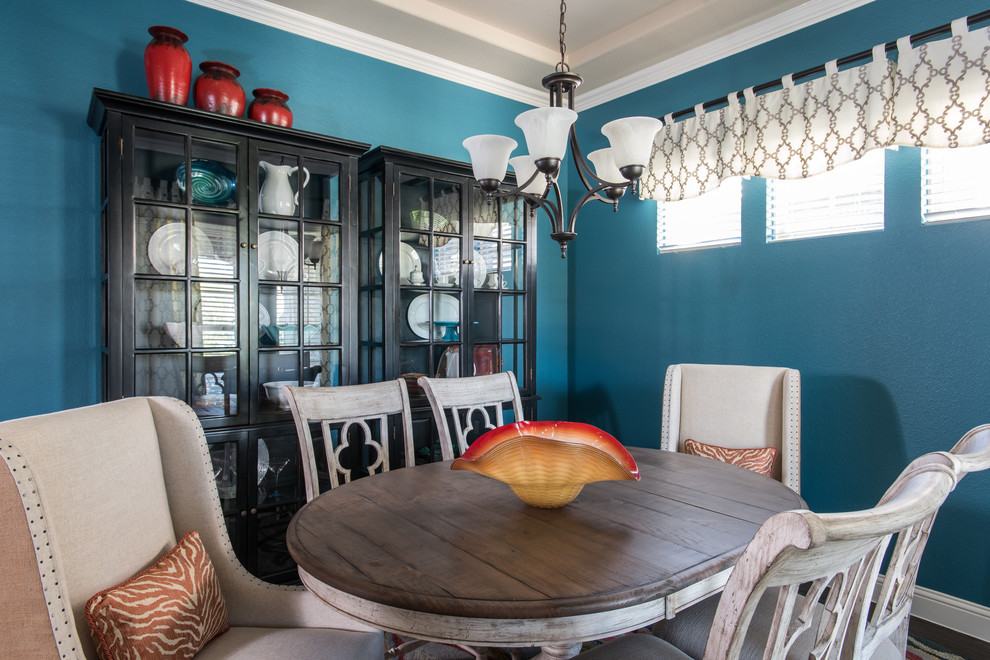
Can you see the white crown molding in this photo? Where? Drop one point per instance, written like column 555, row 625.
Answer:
column 308, row 26
column 766, row 30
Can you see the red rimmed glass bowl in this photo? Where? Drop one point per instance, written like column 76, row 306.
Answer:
column 548, row 463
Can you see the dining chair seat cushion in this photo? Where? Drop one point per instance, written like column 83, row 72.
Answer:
column 174, row 607
column 634, row 647
column 252, row 643
column 757, row 459
column 689, row 631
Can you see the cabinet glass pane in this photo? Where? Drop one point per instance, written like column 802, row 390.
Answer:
column 225, row 464
column 414, row 194
column 278, row 250
column 447, row 362
column 414, row 360
column 484, row 317
column 215, row 245
column 514, row 219
column 377, row 315
column 513, row 266
column 160, row 241
column 214, row 318
column 322, row 367
column 414, row 317
column 159, row 314
column 281, row 307
column 281, row 179
column 160, row 374
column 372, row 364
column 282, row 481
column 513, row 317
column 370, row 259
column 485, row 216
column 447, row 207
column 157, row 157
column 513, row 359
column 321, row 197
column 414, row 259
column 487, row 359
column 212, row 175
column 214, row 386
column 321, row 307
column 321, row 253
column 276, row 369
column 486, row 265
column 447, row 262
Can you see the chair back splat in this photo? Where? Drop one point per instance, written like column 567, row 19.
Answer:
column 358, row 426
column 470, row 406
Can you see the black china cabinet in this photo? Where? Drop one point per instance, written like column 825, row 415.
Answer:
column 225, row 276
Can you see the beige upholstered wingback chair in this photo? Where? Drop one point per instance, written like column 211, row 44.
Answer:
column 736, row 406
column 89, row 497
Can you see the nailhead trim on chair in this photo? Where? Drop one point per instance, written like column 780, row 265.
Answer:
column 62, row 628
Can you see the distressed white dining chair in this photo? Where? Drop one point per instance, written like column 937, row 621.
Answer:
column 817, row 572
column 737, row 407
column 891, row 612
column 92, row 496
column 364, row 420
column 472, row 405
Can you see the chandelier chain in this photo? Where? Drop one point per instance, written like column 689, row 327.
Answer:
column 562, row 65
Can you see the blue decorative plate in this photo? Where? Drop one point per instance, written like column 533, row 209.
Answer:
column 212, row 183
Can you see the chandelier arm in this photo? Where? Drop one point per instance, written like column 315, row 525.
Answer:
column 584, row 171
column 591, row 195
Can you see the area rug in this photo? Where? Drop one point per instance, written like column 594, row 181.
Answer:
column 923, row 649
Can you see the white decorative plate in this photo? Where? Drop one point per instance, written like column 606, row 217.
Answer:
column 480, row 269
column 445, row 308
column 278, row 256
column 408, row 260
column 167, row 248
column 264, row 318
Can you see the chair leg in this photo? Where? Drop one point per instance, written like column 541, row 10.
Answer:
column 405, row 647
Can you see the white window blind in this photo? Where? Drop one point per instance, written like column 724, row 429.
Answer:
column 711, row 220
column 953, row 184
column 845, row 200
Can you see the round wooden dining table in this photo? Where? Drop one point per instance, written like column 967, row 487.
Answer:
column 456, row 557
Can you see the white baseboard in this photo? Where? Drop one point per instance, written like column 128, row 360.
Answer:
column 950, row 612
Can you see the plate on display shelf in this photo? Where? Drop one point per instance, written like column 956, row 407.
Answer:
column 445, row 308
column 278, row 256
column 480, row 269
column 408, row 261
column 167, row 248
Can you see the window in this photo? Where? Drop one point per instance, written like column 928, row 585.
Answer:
column 845, row 200
column 712, row 220
column 953, row 184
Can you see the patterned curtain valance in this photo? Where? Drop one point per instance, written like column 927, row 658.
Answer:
column 934, row 95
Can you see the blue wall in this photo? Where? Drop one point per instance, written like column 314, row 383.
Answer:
column 57, row 51
column 889, row 329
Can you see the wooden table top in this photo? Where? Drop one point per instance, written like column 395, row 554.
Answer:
column 454, row 543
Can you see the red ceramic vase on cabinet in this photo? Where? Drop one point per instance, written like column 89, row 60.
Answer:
column 167, row 65
column 269, row 106
column 217, row 89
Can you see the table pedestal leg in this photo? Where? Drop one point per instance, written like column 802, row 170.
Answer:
column 558, row 651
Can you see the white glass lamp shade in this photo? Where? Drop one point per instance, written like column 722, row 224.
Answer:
column 605, row 166
column 546, row 131
column 631, row 139
column 489, row 155
column 524, row 168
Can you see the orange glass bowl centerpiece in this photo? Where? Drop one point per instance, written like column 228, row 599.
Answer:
column 548, row 463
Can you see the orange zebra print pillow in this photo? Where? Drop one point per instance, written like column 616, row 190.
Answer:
column 171, row 609
column 757, row 459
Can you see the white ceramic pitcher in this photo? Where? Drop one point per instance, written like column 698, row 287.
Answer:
column 276, row 192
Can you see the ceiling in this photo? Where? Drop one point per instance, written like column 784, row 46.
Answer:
column 507, row 46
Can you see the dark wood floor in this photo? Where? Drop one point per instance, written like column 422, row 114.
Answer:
column 968, row 647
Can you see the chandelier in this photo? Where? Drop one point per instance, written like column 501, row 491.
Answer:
column 547, row 132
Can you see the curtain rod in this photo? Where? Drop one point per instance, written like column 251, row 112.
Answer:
column 849, row 59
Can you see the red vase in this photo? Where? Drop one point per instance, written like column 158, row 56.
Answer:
column 217, row 89
column 269, row 106
column 167, row 65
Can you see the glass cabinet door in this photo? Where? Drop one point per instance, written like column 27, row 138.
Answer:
column 299, row 262
column 186, row 289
